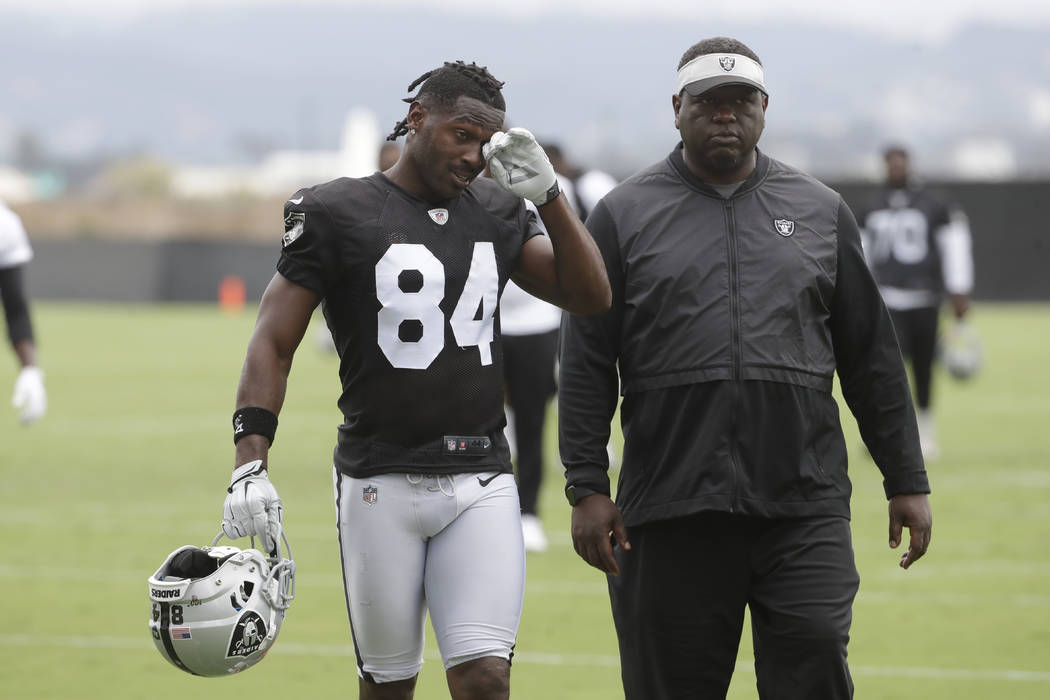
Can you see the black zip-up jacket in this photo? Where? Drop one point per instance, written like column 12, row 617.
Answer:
column 729, row 320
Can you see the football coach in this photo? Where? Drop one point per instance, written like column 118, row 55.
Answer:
column 739, row 290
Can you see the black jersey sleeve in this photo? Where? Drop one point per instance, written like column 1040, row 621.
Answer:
column 870, row 368
column 307, row 255
column 531, row 224
column 588, row 384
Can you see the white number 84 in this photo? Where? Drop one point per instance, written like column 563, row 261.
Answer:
column 480, row 290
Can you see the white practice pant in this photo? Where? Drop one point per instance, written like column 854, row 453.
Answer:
column 448, row 543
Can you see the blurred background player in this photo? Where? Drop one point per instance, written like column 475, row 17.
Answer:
column 29, row 398
column 529, row 327
column 588, row 185
column 919, row 248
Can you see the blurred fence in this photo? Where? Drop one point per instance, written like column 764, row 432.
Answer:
column 1010, row 223
column 129, row 271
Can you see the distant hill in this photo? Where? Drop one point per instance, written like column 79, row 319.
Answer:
column 218, row 85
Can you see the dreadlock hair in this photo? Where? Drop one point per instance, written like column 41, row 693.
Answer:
column 444, row 85
column 718, row 44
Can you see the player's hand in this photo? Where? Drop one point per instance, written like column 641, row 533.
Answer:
column 593, row 519
column 960, row 305
column 520, row 165
column 30, row 397
column 252, row 507
column 913, row 512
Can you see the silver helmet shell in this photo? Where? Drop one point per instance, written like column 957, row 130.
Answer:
column 216, row 610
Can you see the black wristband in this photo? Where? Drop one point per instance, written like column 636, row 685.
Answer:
column 574, row 494
column 252, row 420
column 551, row 194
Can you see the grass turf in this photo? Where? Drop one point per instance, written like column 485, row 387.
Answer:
column 133, row 456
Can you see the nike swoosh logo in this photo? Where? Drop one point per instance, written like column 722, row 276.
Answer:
column 486, row 482
column 296, row 201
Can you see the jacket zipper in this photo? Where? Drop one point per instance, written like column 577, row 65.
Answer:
column 734, row 346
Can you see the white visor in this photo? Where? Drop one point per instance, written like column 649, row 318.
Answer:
column 716, row 69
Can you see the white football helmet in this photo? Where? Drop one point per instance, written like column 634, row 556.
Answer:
column 960, row 350
column 217, row 610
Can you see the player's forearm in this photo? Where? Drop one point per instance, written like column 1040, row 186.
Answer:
column 583, row 284
column 263, row 384
column 26, row 351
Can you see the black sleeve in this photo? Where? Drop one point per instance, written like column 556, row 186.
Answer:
column 588, row 383
column 16, row 305
column 307, row 256
column 871, row 370
column 532, row 225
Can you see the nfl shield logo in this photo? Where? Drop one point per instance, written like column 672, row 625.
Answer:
column 370, row 494
column 450, row 444
column 784, row 227
column 440, row 216
column 727, row 63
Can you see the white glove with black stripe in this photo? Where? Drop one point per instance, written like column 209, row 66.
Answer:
column 252, row 507
column 521, row 166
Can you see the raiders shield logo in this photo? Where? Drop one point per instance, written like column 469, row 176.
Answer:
column 440, row 216
column 727, row 63
column 247, row 636
column 784, row 227
column 293, row 227
column 370, row 494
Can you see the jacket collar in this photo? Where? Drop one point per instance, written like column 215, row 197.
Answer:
column 677, row 162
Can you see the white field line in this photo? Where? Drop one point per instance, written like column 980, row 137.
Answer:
column 538, row 588
column 531, row 658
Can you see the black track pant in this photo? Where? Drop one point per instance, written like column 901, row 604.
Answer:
column 679, row 604
column 917, row 335
column 16, row 306
column 528, row 369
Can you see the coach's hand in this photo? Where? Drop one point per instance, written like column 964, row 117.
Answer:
column 252, row 507
column 911, row 510
column 30, row 397
column 520, row 166
column 594, row 517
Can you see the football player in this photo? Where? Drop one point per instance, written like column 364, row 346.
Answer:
column 30, row 397
column 918, row 247
column 408, row 265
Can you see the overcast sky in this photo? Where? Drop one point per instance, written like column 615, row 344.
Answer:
column 925, row 20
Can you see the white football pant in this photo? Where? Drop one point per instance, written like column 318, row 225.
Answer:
column 448, row 543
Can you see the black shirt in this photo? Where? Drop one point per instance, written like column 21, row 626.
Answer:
column 901, row 229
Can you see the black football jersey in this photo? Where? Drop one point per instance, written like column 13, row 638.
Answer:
column 900, row 230
column 410, row 294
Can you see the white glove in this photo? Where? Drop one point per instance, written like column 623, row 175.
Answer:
column 29, row 395
column 252, row 508
column 520, row 165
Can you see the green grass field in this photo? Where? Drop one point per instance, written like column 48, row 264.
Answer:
column 133, row 457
